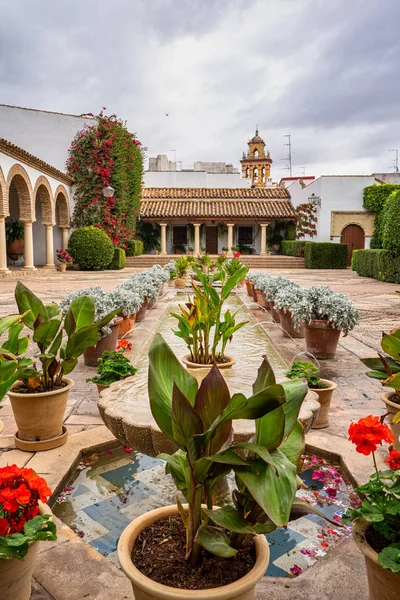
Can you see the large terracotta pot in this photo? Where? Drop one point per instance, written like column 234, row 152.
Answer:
column 254, row 293
column 261, row 300
column 275, row 314
column 180, row 282
column 126, row 327
column 16, row 575
column 392, row 408
column 287, row 326
column 147, row 589
column 62, row 267
column 192, row 365
column 249, row 287
column 321, row 338
column 15, row 249
column 40, row 416
column 324, row 398
column 382, row 584
column 141, row 313
column 109, row 342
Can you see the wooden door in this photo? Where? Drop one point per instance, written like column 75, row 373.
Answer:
column 212, row 240
column 353, row 236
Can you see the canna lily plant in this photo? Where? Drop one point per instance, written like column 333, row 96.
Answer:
column 198, row 420
column 201, row 324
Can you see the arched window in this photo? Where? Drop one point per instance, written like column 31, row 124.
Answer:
column 263, row 175
column 255, row 175
column 256, row 153
column 247, row 172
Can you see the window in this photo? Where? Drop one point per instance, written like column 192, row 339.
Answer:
column 255, row 175
column 255, row 153
column 245, row 236
column 180, row 236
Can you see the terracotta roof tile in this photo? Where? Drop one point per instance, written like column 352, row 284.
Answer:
column 222, row 193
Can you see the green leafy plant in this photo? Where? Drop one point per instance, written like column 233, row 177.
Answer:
column 374, row 198
column 149, row 235
column 134, row 247
column 180, row 249
column 203, row 312
column 91, row 248
column 119, row 259
column 325, row 255
column 233, row 265
column 391, row 224
column 300, row 369
column 379, row 264
column 293, row 247
column 198, row 421
column 245, row 249
column 181, row 267
column 14, row 231
column 113, row 366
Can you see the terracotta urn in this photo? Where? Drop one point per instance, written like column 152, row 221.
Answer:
column 62, row 267
column 109, row 342
column 126, row 327
column 145, row 588
column 392, row 408
column 261, row 300
column 15, row 249
column 275, row 314
column 180, row 282
column 249, row 287
column 321, row 338
column 287, row 326
column 141, row 313
column 324, row 399
column 254, row 293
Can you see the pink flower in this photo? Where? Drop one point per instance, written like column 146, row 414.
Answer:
column 331, row 492
column 296, row 570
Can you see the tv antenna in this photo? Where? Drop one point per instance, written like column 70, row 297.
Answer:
column 395, row 164
column 289, row 156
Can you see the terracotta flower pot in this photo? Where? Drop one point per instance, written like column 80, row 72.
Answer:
column 40, row 416
column 145, row 588
column 109, row 342
column 324, row 398
column 288, row 329
column 275, row 314
column 15, row 249
column 261, row 300
column 249, row 287
column 254, row 294
column 125, row 329
column 192, row 365
column 16, row 575
column 141, row 313
column 62, row 267
column 180, row 282
column 321, row 338
column 392, row 408
column 276, row 248
column 100, row 387
column 382, row 583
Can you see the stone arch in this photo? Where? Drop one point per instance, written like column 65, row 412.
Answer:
column 255, row 175
column 353, row 223
column 255, row 153
column 62, row 207
column 3, row 202
column 20, row 178
column 45, row 195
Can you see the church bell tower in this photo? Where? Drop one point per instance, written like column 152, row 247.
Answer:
column 256, row 164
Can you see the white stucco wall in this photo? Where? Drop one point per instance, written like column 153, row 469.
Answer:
column 44, row 134
column 194, row 179
column 222, row 238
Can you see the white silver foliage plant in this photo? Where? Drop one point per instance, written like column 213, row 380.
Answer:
column 103, row 303
column 128, row 300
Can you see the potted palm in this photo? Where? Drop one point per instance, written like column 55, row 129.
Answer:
column 24, row 521
column 181, row 269
column 202, row 313
column 38, row 389
column 323, row 387
column 285, row 298
column 376, row 527
column 113, row 366
column 15, row 239
column 208, row 544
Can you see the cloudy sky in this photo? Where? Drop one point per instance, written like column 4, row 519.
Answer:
column 325, row 72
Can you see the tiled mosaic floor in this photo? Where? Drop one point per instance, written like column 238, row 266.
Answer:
column 111, row 489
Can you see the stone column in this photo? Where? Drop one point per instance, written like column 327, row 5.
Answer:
column 196, row 238
column 263, row 248
column 28, row 252
column 230, row 239
column 49, row 248
column 64, row 237
column 3, row 251
column 163, row 238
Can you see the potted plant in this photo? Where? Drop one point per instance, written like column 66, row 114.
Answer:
column 323, row 387
column 181, row 269
column 38, row 389
column 190, row 249
column 376, row 527
column 113, row 366
column 270, row 285
column 107, row 333
column 64, row 259
column 276, row 240
column 233, row 265
column 285, row 298
column 15, row 239
column 179, row 249
column 225, row 250
column 198, row 423
column 129, row 303
column 24, row 521
column 202, row 313
column 386, row 368
column 325, row 315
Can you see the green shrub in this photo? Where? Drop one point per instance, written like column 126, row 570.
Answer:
column 382, row 265
column 91, row 248
column 134, row 248
column 375, row 197
column 325, row 255
column 119, row 259
column 291, row 231
column 293, row 247
column 391, row 224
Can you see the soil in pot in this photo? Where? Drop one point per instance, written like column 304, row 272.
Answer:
column 324, row 399
column 275, row 314
column 226, row 362
column 392, row 407
column 159, row 553
column 109, row 342
column 321, row 339
column 126, row 327
column 287, row 326
column 141, row 313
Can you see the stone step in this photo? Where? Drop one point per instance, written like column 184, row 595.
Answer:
column 252, row 261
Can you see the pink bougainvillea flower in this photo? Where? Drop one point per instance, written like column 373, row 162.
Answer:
column 332, row 492
column 296, row 570
column 128, row 450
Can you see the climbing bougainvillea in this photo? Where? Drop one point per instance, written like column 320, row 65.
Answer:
column 306, row 220
column 107, row 154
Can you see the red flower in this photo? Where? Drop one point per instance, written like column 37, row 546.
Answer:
column 394, row 460
column 236, row 255
column 22, row 494
column 124, row 345
column 368, row 433
column 3, row 526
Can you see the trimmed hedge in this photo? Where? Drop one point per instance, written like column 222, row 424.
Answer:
column 325, row 255
column 134, row 248
column 391, row 224
column 119, row 259
column 291, row 231
column 375, row 197
column 293, row 247
column 91, row 248
column 379, row 264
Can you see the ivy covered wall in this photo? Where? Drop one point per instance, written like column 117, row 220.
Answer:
column 375, row 197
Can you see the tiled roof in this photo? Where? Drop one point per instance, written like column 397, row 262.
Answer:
column 216, row 208
column 211, row 193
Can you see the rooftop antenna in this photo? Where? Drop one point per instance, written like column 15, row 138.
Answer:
column 395, row 160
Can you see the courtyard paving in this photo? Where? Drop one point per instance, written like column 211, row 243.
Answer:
column 356, row 396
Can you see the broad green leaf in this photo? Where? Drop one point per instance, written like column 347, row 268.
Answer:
column 227, row 457
column 45, row 333
column 215, row 541
column 185, row 424
column 232, row 281
column 377, row 374
column 55, row 346
column 257, row 405
column 270, row 429
column 7, row 370
column 375, row 364
column 23, row 345
column 182, row 512
column 295, row 391
column 265, row 376
column 396, row 418
column 178, row 467
column 391, row 345
column 30, row 304
column 101, row 322
column 52, row 309
column 11, row 343
column 389, row 558
column 10, row 320
column 293, row 447
column 371, row 512
column 393, row 382
column 78, row 341
column 83, row 310
column 264, row 527
column 69, row 365
column 229, row 518
column 301, row 507
column 164, row 369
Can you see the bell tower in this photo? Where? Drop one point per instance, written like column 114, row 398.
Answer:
column 256, row 164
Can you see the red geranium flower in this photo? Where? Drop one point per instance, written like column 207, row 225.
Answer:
column 124, row 345
column 394, row 460
column 368, row 434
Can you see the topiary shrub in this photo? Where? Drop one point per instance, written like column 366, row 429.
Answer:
column 391, row 224
column 379, row 264
column 134, row 248
column 293, row 247
column 375, row 197
column 91, row 248
column 119, row 259
column 325, row 255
